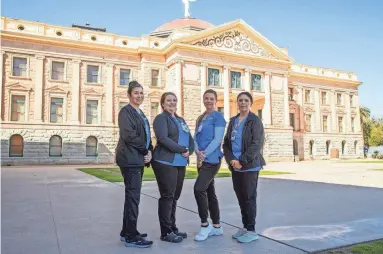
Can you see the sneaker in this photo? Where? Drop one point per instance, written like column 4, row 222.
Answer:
column 216, row 231
column 182, row 234
column 122, row 238
column 172, row 238
column 240, row 233
column 248, row 237
column 204, row 233
column 138, row 242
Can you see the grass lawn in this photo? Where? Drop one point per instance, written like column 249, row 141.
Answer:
column 375, row 247
column 379, row 169
column 114, row 174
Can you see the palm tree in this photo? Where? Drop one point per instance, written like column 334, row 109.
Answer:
column 365, row 121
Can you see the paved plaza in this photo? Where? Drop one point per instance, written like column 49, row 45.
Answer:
column 57, row 209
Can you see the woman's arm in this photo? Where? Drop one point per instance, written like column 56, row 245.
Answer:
column 229, row 156
column 258, row 138
column 219, row 132
column 160, row 127
column 129, row 134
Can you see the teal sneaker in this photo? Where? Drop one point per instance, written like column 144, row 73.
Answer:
column 248, row 237
column 240, row 233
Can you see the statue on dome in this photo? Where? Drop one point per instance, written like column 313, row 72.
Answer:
column 187, row 6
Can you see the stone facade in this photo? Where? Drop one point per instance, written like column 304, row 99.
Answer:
column 97, row 67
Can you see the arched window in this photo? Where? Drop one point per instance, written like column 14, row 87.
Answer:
column 328, row 143
column 91, row 146
column 356, row 147
column 295, row 147
column 55, row 146
column 311, row 147
column 343, row 146
column 16, row 146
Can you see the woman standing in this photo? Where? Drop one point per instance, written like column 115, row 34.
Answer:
column 242, row 147
column 170, row 157
column 208, row 137
column 133, row 152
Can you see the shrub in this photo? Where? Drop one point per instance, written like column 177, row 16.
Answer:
column 380, row 156
column 375, row 154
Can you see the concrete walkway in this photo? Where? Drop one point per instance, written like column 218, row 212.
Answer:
column 62, row 210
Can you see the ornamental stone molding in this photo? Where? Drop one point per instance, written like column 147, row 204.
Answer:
column 236, row 41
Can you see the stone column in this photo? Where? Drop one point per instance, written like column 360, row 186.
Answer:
column 301, row 111
column 247, row 80
column 178, row 86
column 38, row 106
column 1, row 84
column 203, row 84
column 109, row 94
column 333, row 111
column 317, row 111
column 226, row 93
column 286, row 101
column 75, row 92
column 348, row 112
column 358, row 127
column 266, row 112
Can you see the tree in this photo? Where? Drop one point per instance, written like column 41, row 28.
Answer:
column 365, row 122
column 376, row 135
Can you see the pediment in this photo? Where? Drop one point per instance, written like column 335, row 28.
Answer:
column 18, row 87
column 122, row 94
column 93, row 92
column 237, row 37
column 155, row 94
column 56, row 89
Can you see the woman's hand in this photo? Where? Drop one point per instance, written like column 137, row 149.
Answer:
column 148, row 157
column 185, row 154
column 236, row 164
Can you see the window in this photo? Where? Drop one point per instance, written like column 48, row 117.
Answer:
column 91, row 146
column 292, row 120
column 57, row 110
column 324, row 98
column 311, row 147
column 16, row 146
column 124, row 77
column 235, row 79
column 213, row 77
column 324, row 124
column 260, row 113
column 307, row 96
column 153, row 110
column 353, row 124
column 20, row 65
column 339, row 99
column 221, row 110
column 343, row 146
column 122, row 104
column 308, row 123
column 340, row 124
column 155, row 74
column 55, row 146
column 92, row 74
column 256, row 82
column 92, row 112
column 328, row 142
column 58, row 70
column 351, row 100
column 291, row 94
column 18, row 108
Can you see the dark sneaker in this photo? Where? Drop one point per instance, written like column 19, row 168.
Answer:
column 182, row 234
column 138, row 242
column 172, row 238
column 122, row 238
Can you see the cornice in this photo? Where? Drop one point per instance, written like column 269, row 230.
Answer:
column 321, row 78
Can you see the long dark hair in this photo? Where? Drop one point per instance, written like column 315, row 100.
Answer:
column 247, row 94
column 163, row 98
column 216, row 98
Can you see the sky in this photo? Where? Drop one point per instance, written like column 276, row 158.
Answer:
column 340, row 34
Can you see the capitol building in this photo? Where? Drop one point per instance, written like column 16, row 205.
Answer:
column 62, row 89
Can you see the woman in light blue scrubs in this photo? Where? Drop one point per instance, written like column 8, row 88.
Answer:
column 242, row 147
column 210, row 128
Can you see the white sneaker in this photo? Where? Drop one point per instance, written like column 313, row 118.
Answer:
column 203, row 233
column 216, row 231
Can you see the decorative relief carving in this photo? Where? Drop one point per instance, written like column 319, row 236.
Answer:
column 237, row 41
column 309, row 108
